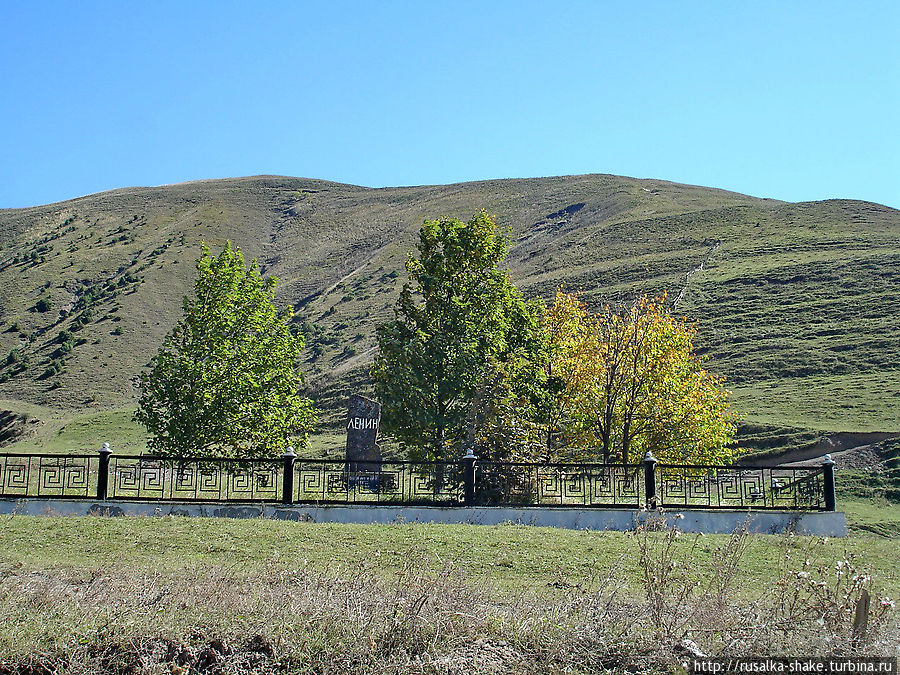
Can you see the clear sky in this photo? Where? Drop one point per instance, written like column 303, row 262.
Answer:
column 791, row 100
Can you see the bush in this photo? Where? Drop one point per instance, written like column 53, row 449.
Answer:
column 55, row 368
column 14, row 356
column 65, row 348
column 84, row 318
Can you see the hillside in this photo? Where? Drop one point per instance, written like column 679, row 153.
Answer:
column 797, row 304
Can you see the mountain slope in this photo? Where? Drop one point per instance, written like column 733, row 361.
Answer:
column 796, row 304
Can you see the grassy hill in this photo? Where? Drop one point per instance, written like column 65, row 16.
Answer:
column 796, row 304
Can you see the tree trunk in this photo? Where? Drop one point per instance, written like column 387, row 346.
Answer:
column 438, row 453
column 605, row 439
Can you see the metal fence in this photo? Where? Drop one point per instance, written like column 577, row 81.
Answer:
column 467, row 482
column 710, row 486
column 197, row 480
column 42, row 475
column 507, row 483
column 422, row 483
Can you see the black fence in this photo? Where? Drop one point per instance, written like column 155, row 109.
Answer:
column 468, row 482
column 744, row 487
column 505, row 483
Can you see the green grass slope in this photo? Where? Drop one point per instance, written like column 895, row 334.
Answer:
column 795, row 303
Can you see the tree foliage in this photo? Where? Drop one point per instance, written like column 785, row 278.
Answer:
column 468, row 363
column 459, row 324
column 226, row 380
column 569, row 368
column 629, row 381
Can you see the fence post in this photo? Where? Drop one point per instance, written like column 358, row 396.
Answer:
column 468, row 467
column 649, row 463
column 287, row 477
column 828, row 469
column 103, row 473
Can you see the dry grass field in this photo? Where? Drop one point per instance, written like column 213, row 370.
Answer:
column 164, row 595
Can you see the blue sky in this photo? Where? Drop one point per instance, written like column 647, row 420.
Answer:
column 791, row 100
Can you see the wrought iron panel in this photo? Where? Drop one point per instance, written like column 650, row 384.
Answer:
column 740, row 487
column 523, row 483
column 66, row 477
column 332, row 481
column 16, row 477
column 158, row 478
column 44, row 475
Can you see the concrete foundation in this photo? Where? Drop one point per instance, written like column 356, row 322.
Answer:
column 710, row 521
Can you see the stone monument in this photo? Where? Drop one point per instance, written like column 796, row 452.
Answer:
column 363, row 418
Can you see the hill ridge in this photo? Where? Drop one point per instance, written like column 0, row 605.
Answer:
column 797, row 295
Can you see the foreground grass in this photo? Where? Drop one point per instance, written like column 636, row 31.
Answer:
column 513, row 557
column 134, row 595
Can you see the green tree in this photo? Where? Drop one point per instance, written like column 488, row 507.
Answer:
column 458, row 322
column 226, row 380
column 567, row 370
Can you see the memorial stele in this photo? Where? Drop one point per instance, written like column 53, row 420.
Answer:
column 363, row 418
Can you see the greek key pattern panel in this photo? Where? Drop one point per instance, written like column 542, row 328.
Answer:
column 70, row 476
column 740, row 487
column 331, row 481
column 559, row 484
column 194, row 480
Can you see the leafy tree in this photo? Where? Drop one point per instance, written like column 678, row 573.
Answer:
column 654, row 392
column 500, row 425
column 537, row 422
column 568, row 369
column 627, row 382
column 459, row 322
column 225, row 381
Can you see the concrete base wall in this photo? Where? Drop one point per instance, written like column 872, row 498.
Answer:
column 718, row 521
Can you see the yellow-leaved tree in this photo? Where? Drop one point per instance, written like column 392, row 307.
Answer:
column 570, row 372
column 621, row 383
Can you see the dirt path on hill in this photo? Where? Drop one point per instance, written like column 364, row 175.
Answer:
column 848, row 449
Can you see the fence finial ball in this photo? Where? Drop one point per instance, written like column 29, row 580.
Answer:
column 649, row 457
column 290, row 452
column 105, row 448
column 827, row 459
